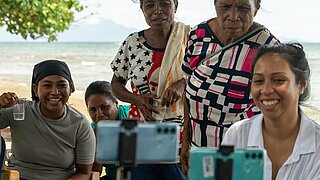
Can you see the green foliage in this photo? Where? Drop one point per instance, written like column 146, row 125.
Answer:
column 38, row 18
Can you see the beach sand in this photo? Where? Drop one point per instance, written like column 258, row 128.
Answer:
column 76, row 99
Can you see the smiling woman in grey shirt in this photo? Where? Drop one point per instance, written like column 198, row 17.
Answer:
column 54, row 141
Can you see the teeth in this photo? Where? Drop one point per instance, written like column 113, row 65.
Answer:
column 54, row 100
column 269, row 102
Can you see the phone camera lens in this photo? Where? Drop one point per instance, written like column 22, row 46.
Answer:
column 253, row 155
column 159, row 130
column 260, row 156
column 166, row 130
column 173, row 130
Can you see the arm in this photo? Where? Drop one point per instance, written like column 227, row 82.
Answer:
column 184, row 155
column 84, row 151
column 97, row 167
column 83, row 172
column 142, row 101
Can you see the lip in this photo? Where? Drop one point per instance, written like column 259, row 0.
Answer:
column 158, row 18
column 233, row 28
column 54, row 100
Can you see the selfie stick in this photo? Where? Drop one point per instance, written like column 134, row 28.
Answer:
column 224, row 167
column 127, row 148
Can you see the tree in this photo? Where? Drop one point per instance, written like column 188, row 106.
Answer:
column 38, row 18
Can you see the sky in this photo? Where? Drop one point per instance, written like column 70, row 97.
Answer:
column 289, row 20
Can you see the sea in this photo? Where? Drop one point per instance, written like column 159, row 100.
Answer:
column 90, row 61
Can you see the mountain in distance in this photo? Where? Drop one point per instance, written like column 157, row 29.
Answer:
column 104, row 31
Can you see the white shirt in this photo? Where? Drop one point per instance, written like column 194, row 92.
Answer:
column 302, row 164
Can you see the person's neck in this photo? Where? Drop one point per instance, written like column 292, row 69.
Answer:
column 157, row 38
column 50, row 115
column 282, row 128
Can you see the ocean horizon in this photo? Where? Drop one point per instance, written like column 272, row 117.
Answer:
column 90, row 61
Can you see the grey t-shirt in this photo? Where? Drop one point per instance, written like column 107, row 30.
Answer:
column 44, row 148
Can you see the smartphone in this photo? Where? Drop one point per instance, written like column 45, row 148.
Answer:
column 227, row 164
column 155, row 142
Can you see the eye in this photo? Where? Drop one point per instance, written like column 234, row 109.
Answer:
column 63, row 85
column 244, row 8
column 279, row 81
column 104, row 107
column 92, row 110
column 225, row 7
column 165, row 4
column 257, row 80
column 46, row 85
column 148, row 5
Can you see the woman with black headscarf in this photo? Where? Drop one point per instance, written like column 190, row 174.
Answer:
column 54, row 141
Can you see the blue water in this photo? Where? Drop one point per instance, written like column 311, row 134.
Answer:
column 91, row 61
column 87, row 61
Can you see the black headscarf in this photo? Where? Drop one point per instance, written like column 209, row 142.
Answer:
column 47, row 68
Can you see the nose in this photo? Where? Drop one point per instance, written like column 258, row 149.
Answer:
column 55, row 90
column 100, row 113
column 157, row 9
column 267, row 88
column 234, row 14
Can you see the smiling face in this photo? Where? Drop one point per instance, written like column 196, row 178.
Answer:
column 101, row 107
column 274, row 87
column 53, row 92
column 158, row 14
column 234, row 17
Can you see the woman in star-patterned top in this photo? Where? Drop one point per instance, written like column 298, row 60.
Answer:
column 151, row 59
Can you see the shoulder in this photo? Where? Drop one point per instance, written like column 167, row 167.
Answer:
column 242, row 125
column 309, row 124
column 123, row 111
column 264, row 36
column 238, row 133
column 124, row 107
column 76, row 116
column 200, row 29
column 133, row 37
column 317, row 130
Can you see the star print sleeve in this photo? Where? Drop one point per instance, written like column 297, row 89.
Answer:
column 120, row 64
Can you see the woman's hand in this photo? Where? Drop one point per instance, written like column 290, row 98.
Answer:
column 8, row 99
column 144, row 103
column 173, row 93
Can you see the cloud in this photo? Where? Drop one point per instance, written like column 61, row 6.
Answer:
column 285, row 18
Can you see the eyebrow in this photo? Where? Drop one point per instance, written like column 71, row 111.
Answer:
column 61, row 81
column 276, row 73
